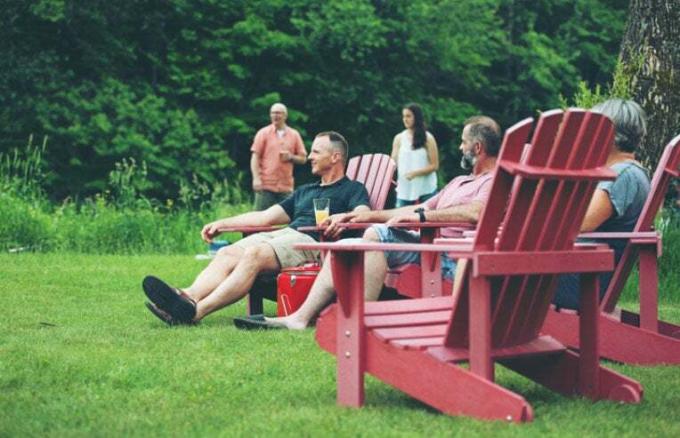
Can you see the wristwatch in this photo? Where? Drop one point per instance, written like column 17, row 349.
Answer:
column 421, row 213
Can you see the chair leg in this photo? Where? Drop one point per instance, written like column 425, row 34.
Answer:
column 589, row 336
column 255, row 303
column 480, row 328
column 451, row 388
column 263, row 288
column 621, row 341
column 348, row 278
column 649, row 287
column 454, row 391
column 560, row 372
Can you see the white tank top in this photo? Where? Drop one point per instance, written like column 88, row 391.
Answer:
column 408, row 161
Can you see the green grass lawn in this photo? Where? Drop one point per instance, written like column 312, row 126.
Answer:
column 81, row 356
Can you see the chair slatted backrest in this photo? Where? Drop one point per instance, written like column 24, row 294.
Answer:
column 541, row 204
column 375, row 171
column 667, row 169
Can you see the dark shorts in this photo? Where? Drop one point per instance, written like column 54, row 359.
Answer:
column 569, row 290
column 265, row 199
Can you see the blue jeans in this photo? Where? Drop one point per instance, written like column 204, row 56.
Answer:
column 398, row 258
column 569, row 290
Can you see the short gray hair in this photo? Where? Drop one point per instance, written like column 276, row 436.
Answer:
column 629, row 121
column 487, row 131
column 280, row 106
column 338, row 143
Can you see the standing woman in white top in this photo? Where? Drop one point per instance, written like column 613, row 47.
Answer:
column 415, row 152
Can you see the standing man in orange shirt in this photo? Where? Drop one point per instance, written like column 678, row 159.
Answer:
column 274, row 151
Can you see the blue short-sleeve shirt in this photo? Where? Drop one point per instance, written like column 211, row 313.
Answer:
column 627, row 193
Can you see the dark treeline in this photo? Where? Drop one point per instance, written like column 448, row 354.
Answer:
column 182, row 85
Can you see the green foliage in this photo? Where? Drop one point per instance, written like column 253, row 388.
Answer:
column 586, row 97
column 22, row 170
column 100, row 125
column 183, row 85
column 99, row 226
column 118, row 220
column 24, row 225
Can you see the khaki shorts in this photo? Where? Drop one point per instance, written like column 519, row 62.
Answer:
column 282, row 242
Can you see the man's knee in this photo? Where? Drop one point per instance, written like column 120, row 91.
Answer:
column 259, row 256
column 228, row 255
column 371, row 234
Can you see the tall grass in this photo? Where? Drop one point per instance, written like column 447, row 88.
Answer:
column 118, row 220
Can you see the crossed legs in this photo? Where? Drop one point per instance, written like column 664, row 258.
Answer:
column 229, row 277
column 224, row 281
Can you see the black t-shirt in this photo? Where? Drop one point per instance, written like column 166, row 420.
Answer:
column 345, row 195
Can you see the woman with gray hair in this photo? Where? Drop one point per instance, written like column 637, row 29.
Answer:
column 616, row 205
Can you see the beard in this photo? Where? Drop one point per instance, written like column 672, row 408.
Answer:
column 468, row 160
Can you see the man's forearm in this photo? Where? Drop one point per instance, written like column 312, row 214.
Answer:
column 298, row 159
column 459, row 213
column 250, row 219
column 255, row 167
column 380, row 216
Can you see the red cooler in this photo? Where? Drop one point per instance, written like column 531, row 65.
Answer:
column 293, row 285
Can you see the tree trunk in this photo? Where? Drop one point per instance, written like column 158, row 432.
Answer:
column 650, row 54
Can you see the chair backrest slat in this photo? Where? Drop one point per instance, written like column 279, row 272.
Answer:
column 545, row 227
column 375, row 171
column 590, row 149
column 532, row 209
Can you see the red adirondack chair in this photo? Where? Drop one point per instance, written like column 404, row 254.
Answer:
column 375, row 171
column 411, row 280
column 634, row 338
column 415, row 344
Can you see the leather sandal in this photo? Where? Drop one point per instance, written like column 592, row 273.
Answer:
column 170, row 300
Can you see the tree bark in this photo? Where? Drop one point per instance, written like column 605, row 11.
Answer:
column 650, row 54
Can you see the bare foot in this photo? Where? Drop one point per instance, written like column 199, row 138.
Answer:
column 286, row 322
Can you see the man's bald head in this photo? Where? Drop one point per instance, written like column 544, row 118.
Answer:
column 279, row 107
column 278, row 114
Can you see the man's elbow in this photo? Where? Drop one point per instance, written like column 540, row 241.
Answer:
column 475, row 213
column 587, row 227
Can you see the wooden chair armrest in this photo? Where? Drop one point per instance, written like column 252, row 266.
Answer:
column 453, row 240
column 455, row 250
column 581, row 259
column 411, row 225
column 251, row 229
column 650, row 236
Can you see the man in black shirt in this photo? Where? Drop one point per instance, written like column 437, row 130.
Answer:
column 230, row 275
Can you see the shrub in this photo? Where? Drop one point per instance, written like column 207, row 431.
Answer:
column 23, row 224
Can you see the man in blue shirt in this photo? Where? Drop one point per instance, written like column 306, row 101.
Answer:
column 230, row 275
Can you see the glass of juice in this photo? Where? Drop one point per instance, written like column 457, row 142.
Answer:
column 321, row 209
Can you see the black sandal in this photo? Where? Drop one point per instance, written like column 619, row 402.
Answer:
column 160, row 314
column 255, row 322
column 180, row 307
column 164, row 316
